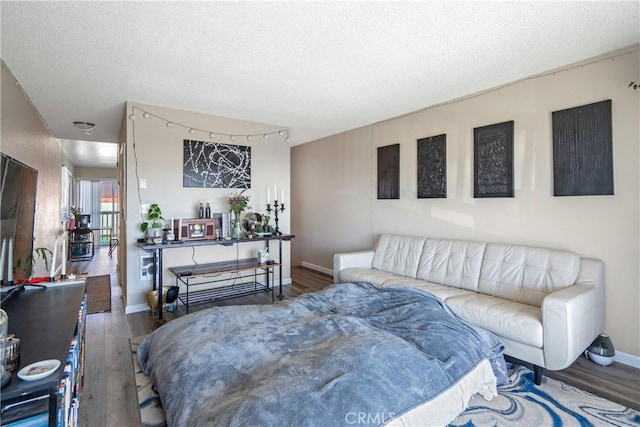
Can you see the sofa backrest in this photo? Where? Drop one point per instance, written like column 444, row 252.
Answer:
column 452, row 262
column 526, row 274
column 398, row 254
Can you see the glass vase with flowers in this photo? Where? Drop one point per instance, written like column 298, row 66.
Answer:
column 238, row 202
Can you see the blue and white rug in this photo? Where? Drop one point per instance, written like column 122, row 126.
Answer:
column 553, row 403
column 519, row 403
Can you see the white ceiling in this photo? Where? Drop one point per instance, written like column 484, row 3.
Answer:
column 317, row 68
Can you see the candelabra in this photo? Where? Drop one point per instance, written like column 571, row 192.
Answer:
column 276, row 207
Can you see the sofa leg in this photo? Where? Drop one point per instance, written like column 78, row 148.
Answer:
column 537, row 374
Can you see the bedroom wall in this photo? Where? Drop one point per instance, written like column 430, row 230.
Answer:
column 154, row 153
column 23, row 135
column 335, row 183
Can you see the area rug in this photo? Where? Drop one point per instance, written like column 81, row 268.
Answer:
column 553, row 403
column 98, row 294
column 519, row 403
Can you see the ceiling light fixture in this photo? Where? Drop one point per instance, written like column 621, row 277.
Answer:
column 84, row 125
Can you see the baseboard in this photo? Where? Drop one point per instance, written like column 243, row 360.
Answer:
column 317, row 268
column 627, row 359
column 136, row 308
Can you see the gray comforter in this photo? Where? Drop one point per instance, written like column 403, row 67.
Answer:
column 321, row 359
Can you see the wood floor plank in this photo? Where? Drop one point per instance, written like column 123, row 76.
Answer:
column 120, row 380
column 92, row 408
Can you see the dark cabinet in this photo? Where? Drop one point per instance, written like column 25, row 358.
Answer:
column 50, row 324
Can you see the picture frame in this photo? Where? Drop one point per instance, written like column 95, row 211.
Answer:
column 432, row 167
column 389, row 172
column 493, row 160
column 214, row 165
column 583, row 150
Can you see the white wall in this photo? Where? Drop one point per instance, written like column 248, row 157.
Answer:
column 154, row 153
column 334, row 183
column 27, row 139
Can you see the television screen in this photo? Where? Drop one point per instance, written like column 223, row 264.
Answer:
column 84, row 220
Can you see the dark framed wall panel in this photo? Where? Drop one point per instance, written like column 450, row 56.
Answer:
column 389, row 172
column 583, row 150
column 493, row 160
column 432, row 167
column 213, row 165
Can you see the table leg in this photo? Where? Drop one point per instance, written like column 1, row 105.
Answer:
column 280, row 296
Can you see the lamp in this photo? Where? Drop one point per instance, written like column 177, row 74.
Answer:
column 601, row 351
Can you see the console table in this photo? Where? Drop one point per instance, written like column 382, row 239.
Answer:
column 50, row 325
column 157, row 250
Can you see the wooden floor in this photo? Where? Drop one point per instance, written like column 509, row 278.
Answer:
column 109, row 394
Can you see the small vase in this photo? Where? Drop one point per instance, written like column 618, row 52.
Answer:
column 236, row 227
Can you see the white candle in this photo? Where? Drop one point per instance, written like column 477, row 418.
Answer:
column 268, row 195
column 52, row 271
column 2, row 252
column 282, row 196
column 180, row 229
column 63, row 272
column 10, row 263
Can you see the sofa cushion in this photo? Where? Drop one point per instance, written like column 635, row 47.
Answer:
column 376, row 277
column 513, row 320
column 441, row 291
column 398, row 254
column 451, row 262
column 526, row 274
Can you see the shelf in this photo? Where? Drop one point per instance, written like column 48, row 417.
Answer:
column 224, row 292
column 242, row 273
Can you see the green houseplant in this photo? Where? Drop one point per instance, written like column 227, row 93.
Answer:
column 31, row 257
column 154, row 219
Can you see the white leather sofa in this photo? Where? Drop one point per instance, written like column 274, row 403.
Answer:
column 546, row 305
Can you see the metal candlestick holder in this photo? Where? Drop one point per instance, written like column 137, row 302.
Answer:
column 276, row 207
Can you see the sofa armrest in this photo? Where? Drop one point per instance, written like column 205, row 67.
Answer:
column 361, row 259
column 573, row 317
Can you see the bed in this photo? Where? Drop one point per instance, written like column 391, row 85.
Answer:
column 351, row 353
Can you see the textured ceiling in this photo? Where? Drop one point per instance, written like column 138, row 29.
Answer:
column 317, row 68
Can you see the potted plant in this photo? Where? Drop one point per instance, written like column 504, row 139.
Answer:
column 153, row 226
column 31, row 257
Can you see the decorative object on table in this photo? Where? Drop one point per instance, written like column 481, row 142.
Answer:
column 252, row 223
column 276, row 206
column 601, row 351
column 196, row 229
column 493, row 160
column 207, row 210
column 213, row 165
column 583, row 150
column 75, row 214
column 238, row 202
column 200, row 210
column 31, row 257
column 389, row 172
column 5, row 376
column 432, row 167
column 38, row 370
column 11, row 352
column 262, row 255
column 153, row 226
column 266, row 228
